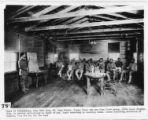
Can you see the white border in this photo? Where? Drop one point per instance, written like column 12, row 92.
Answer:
column 143, row 115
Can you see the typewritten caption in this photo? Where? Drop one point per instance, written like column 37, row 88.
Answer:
column 47, row 112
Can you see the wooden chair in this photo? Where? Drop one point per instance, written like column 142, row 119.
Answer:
column 111, row 86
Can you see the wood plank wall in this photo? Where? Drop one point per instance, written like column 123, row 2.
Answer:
column 87, row 51
column 123, row 49
column 27, row 44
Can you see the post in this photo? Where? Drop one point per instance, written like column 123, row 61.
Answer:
column 137, row 49
column 88, row 85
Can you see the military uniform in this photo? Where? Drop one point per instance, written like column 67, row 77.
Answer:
column 23, row 72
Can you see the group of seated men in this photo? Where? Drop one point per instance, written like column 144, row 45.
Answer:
column 112, row 70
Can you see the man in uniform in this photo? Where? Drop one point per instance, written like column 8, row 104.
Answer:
column 79, row 70
column 106, row 63
column 119, row 67
column 23, row 71
column 131, row 69
column 119, row 64
column 111, row 68
column 70, row 70
column 101, row 65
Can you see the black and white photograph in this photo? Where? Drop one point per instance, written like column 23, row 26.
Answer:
column 86, row 55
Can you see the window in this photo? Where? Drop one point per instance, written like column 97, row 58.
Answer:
column 114, row 47
column 52, row 57
column 74, row 56
column 115, row 56
column 10, row 61
column 114, row 50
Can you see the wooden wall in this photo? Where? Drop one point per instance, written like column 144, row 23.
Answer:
column 123, row 50
column 26, row 44
column 96, row 51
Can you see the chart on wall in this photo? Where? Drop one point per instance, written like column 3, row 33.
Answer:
column 33, row 62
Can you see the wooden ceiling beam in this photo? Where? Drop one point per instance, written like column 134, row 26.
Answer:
column 103, row 17
column 67, row 9
column 79, row 13
column 98, row 31
column 121, row 16
column 101, row 38
column 52, row 8
column 116, row 22
column 118, row 15
column 44, row 11
column 48, row 9
column 73, row 20
column 80, row 21
column 100, row 35
column 21, row 11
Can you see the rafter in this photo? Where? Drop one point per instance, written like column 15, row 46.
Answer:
column 98, row 31
column 116, row 22
column 121, row 16
column 73, row 20
column 59, row 20
column 80, row 21
column 118, row 15
column 100, row 35
column 133, row 12
column 67, row 9
column 107, row 18
column 101, row 38
column 21, row 11
column 50, row 9
column 44, row 11
column 79, row 13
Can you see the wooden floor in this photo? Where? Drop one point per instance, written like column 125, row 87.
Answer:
column 61, row 93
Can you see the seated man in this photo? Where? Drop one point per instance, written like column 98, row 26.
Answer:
column 111, row 68
column 101, row 65
column 79, row 70
column 132, row 68
column 60, row 71
column 70, row 70
column 94, row 72
column 106, row 63
column 119, row 66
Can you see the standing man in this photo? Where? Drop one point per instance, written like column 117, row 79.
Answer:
column 23, row 71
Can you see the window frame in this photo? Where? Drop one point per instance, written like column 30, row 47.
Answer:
column 16, row 63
